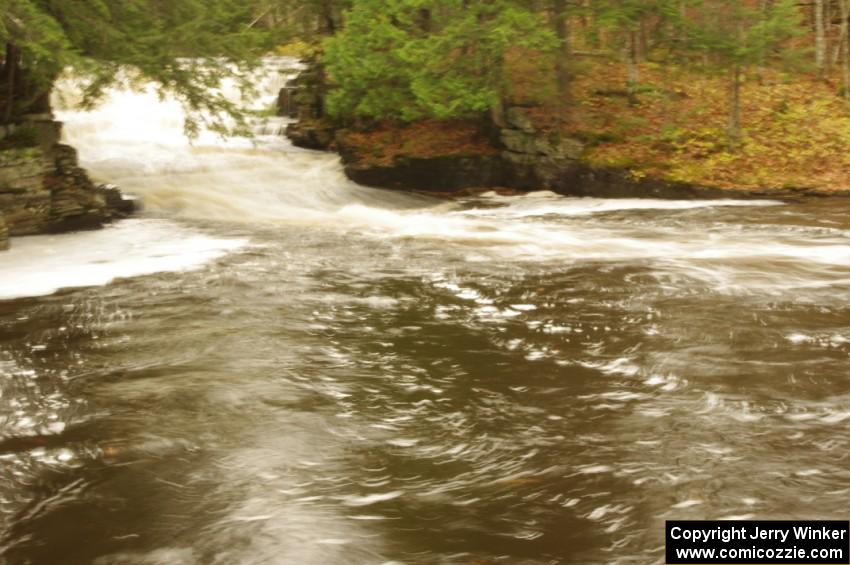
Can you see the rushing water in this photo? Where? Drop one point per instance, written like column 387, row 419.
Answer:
column 289, row 368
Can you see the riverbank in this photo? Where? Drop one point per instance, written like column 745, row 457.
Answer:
column 666, row 140
column 42, row 187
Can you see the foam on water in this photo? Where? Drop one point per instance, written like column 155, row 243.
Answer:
column 545, row 203
column 136, row 140
column 40, row 265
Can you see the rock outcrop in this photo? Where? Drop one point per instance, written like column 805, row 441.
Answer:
column 434, row 173
column 25, row 193
column 286, row 99
column 449, row 173
column 517, row 156
column 535, row 160
column 303, row 98
column 4, row 234
column 311, row 134
column 520, row 160
column 42, row 187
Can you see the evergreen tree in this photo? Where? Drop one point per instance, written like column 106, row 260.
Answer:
column 308, row 21
column 732, row 36
column 409, row 59
column 626, row 18
column 186, row 46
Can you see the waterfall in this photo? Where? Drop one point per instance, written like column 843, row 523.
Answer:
column 135, row 139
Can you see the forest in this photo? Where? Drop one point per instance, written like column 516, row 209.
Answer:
column 747, row 93
column 724, row 92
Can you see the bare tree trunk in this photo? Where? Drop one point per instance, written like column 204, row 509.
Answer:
column 497, row 113
column 733, row 132
column 328, row 25
column 845, row 46
column 643, row 41
column 820, row 37
column 632, row 76
column 424, row 20
column 562, row 31
column 835, row 56
column 11, row 68
column 827, row 18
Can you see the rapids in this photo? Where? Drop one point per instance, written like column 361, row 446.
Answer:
column 272, row 364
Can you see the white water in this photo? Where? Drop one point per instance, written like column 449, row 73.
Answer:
column 41, row 265
column 362, row 376
column 136, row 140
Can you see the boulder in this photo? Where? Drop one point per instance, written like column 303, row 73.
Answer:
column 121, row 205
column 311, row 134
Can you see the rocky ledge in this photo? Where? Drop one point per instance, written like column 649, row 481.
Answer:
column 4, row 234
column 515, row 157
column 42, row 187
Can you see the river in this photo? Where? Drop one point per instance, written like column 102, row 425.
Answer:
column 271, row 364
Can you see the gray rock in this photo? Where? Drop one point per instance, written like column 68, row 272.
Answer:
column 121, row 204
column 311, row 134
column 27, row 213
column 23, row 170
column 43, row 189
column 534, row 161
column 518, row 141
